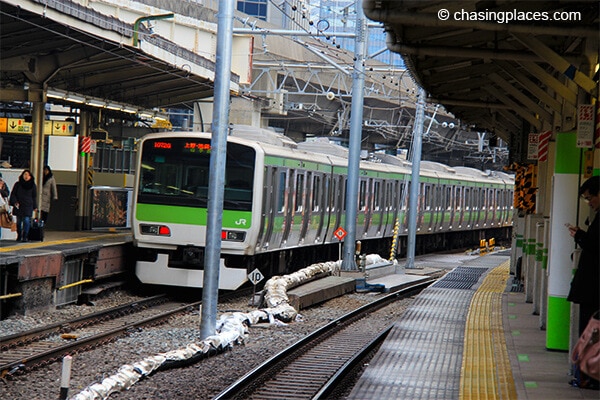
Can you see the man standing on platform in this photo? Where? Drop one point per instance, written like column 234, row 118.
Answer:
column 585, row 287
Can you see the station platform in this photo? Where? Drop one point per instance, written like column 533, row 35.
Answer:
column 41, row 275
column 468, row 336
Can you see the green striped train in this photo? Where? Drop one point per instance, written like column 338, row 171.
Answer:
column 283, row 201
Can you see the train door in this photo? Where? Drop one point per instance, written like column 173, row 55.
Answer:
column 436, row 207
column 297, row 209
column 288, row 206
column 379, row 208
column 426, row 207
column 336, row 205
column 321, row 184
column 450, row 208
column 314, row 208
column 496, row 194
column 306, row 212
column 468, row 207
column 364, row 209
column 475, row 208
column 389, row 216
column 270, row 190
column 488, row 207
column 482, row 207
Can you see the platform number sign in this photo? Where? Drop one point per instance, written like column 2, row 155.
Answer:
column 255, row 276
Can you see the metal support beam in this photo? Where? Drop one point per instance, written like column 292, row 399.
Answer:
column 288, row 32
column 463, row 52
column 518, row 108
column 470, row 103
column 421, row 19
column 356, row 118
column 413, row 198
column 547, row 79
column 521, row 97
column 559, row 63
column 530, row 86
column 216, row 178
column 37, row 97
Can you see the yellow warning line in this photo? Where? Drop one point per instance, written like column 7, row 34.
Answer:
column 486, row 372
column 33, row 245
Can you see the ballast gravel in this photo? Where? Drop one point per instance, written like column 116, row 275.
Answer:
column 202, row 380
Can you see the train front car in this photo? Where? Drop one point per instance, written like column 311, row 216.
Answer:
column 170, row 209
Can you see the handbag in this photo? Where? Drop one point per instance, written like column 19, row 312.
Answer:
column 6, row 218
column 586, row 353
column 4, row 206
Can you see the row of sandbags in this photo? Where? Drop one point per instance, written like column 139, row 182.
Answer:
column 231, row 328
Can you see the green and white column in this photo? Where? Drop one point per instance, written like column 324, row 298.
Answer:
column 565, row 187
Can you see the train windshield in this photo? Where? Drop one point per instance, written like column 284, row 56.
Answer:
column 175, row 171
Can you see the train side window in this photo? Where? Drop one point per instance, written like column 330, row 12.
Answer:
column 401, row 193
column 316, row 193
column 299, row 194
column 376, row 195
column 281, row 185
column 482, row 202
column 345, row 190
column 388, row 196
column 333, row 193
column 425, row 196
column 362, row 195
column 448, row 197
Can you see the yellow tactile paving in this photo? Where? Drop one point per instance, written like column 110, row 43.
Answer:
column 486, row 372
column 32, row 245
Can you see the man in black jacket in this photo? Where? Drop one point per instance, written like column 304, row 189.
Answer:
column 585, row 286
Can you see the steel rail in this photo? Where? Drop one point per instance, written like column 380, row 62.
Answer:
column 255, row 379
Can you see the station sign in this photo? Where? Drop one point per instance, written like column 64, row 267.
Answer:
column 18, row 125
column 50, row 127
column 532, row 146
column 585, row 126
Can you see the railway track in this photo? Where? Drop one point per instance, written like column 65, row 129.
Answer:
column 24, row 351
column 314, row 367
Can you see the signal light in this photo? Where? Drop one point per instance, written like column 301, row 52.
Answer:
column 157, row 230
column 233, row 236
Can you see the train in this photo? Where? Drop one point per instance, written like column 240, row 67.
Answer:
column 284, row 200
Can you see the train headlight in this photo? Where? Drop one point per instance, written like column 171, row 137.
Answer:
column 233, row 236
column 156, row 230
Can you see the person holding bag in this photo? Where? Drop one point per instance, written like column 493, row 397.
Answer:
column 4, row 208
column 585, row 286
column 49, row 193
column 24, row 201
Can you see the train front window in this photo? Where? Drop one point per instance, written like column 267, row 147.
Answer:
column 176, row 171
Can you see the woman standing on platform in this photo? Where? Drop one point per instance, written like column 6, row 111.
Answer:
column 23, row 198
column 49, row 192
column 585, row 287
column 4, row 192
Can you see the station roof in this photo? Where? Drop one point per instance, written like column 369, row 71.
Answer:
column 505, row 77
column 74, row 49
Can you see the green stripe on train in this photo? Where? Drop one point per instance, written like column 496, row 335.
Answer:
column 189, row 215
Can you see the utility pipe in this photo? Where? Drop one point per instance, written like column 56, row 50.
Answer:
column 70, row 285
column 136, row 24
